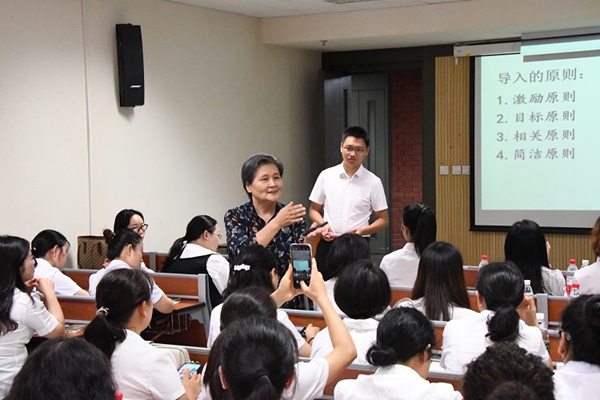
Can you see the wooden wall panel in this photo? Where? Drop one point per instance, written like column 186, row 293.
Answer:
column 452, row 191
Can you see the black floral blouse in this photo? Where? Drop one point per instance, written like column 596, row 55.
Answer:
column 242, row 223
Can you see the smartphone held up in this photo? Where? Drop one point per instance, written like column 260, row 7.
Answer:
column 301, row 262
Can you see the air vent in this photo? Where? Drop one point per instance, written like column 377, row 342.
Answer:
column 347, row 1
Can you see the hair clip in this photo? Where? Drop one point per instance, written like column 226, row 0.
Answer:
column 241, row 267
column 103, row 310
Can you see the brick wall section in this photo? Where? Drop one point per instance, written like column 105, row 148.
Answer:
column 406, row 146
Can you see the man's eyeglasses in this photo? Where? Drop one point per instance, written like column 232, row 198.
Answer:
column 355, row 150
column 138, row 229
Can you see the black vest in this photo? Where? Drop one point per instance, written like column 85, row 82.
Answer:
column 195, row 265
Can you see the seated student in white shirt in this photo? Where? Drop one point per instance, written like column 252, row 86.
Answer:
column 527, row 248
column 22, row 313
column 419, row 228
column 589, row 277
column 196, row 253
column 362, row 292
column 500, row 289
column 580, row 348
column 440, row 291
column 402, row 354
column 125, row 250
column 345, row 250
column 256, row 266
column 507, row 371
column 258, row 355
column 140, row 370
column 50, row 250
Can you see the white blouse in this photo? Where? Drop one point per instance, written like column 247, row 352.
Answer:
column 577, row 380
column 465, row 339
column 362, row 331
column 397, row 382
column 554, row 282
column 589, row 278
column 31, row 317
column 401, row 266
column 455, row 312
column 63, row 285
column 118, row 264
column 144, row 372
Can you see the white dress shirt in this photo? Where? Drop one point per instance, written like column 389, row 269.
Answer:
column 31, row 317
column 142, row 371
column 329, row 286
column 362, row 331
column 577, row 380
column 401, row 266
column 589, row 278
column 554, row 282
column 215, row 326
column 464, row 340
column 348, row 202
column 397, row 382
column 455, row 312
column 63, row 285
column 216, row 265
column 118, row 264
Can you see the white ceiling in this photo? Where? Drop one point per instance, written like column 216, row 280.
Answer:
column 286, row 8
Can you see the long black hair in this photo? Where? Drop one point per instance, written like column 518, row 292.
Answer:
column 118, row 294
column 195, row 229
column 501, row 285
column 525, row 245
column 420, row 222
column 441, row 281
column 13, row 252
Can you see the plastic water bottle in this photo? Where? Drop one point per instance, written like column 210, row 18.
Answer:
column 571, row 269
column 574, row 290
column 484, row 261
column 541, row 318
column 528, row 290
column 585, row 263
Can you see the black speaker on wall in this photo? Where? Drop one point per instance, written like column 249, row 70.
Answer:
column 131, row 65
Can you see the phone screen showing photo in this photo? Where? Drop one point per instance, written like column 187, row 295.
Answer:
column 301, row 265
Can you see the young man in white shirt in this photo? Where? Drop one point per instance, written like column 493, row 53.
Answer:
column 346, row 195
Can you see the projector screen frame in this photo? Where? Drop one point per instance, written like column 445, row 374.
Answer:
column 474, row 171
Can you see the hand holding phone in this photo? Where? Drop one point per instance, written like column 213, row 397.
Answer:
column 192, row 366
column 301, row 260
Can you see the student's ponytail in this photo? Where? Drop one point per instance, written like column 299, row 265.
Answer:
column 194, row 231
column 501, row 286
column 174, row 252
column 402, row 333
column 118, row 294
column 421, row 223
column 504, row 325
